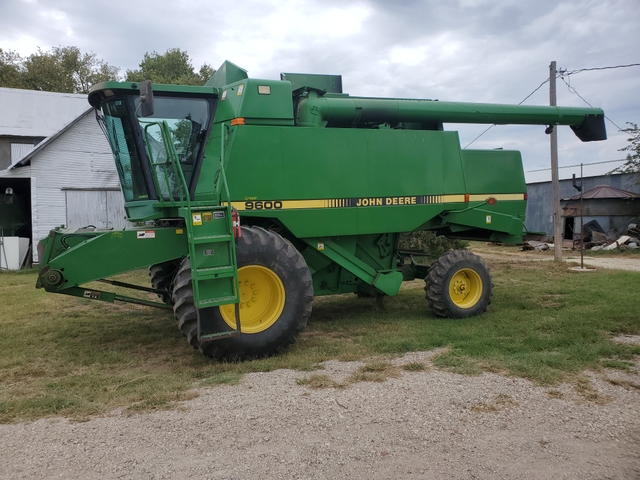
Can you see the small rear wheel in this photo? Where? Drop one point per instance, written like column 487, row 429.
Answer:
column 458, row 285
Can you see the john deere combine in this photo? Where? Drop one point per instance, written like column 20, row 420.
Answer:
column 323, row 184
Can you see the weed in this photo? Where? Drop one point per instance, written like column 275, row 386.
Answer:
column 320, row 380
column 500, row 402
column 414, row 367
column 584, row 388
column 375, row 372
column 626, row 384
column 555, row 394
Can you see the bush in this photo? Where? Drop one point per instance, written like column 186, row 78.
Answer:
column 434, row 245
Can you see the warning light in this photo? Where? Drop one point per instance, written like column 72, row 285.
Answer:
column 237, row 121
column 491, row 201
column 526, row 196
column 466, row 198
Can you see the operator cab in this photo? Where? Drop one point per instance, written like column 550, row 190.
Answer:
column 147, row 149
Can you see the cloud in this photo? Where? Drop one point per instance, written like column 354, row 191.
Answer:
column 459, row 50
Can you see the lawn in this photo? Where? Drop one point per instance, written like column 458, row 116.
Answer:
column 73, row 357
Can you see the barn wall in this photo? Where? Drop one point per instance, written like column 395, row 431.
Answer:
column 79, row 159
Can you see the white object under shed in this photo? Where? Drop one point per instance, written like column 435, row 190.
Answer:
column 13, row 252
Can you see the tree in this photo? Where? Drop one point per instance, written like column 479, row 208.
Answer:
column 62, row 69
column 10, row 73
column 632, row 165
column 173, row 67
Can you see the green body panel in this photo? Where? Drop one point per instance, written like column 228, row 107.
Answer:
column 498, row 171
column 338, row 176
column 377, row 176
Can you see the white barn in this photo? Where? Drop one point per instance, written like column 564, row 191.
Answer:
column 68, row 178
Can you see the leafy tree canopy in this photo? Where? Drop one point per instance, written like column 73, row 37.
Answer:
column 61, row 69
column 632, row 165
column 173, row 67
column 10, row 69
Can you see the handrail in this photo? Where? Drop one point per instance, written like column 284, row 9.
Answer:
column 224, row 127
column 173, row 160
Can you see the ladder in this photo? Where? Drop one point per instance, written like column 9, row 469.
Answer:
column 210, row 235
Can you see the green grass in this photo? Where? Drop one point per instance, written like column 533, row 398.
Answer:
column 67, row 356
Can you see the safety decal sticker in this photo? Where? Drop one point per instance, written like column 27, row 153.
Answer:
column 196, row 219
column 488, row 220
column 224, row 95
column 90, row 294
column 320, row 246
column 207, row 216
column 146, row 234
column 240, row 89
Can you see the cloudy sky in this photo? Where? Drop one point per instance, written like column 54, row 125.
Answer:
column 495, row 51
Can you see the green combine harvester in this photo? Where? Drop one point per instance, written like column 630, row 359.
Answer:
column 323, row 183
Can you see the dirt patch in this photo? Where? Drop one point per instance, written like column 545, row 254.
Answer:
column 515, row 254
column 633, row 339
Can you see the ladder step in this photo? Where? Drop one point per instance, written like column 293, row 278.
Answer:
column 211, row 239
column 224, row 271
column 214, row 302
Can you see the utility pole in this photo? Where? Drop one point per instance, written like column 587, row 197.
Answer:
column 555, row 183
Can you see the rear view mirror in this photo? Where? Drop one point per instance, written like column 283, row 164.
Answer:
column 146, row 98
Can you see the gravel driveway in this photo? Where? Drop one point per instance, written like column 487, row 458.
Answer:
column 422, row 425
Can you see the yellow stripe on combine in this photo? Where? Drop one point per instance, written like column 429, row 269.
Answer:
column 499, row 197
column 452, row 199
column 259, row 205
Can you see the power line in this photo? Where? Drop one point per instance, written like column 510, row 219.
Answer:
column 561, row 74
column 538, row 88
column 573, row 72
column 523, row 100
column 573, row 166
column 574, row 91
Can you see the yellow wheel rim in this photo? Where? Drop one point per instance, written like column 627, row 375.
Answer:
column 261, row 299
column 465, row 288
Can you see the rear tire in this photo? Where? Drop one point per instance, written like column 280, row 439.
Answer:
column 162, row 276
column 276, row 294
column 458, row 285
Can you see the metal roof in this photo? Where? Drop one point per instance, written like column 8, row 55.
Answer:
column 50, row 139
column 32, row 113
column 605, row 191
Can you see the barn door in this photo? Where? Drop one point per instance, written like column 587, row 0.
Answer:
column 100, row 208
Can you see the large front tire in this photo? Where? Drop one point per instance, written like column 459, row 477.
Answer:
column 458, row 285
column 276, row 293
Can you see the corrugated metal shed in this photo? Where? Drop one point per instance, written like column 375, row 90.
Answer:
column 31, row 113
column 539, row 216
